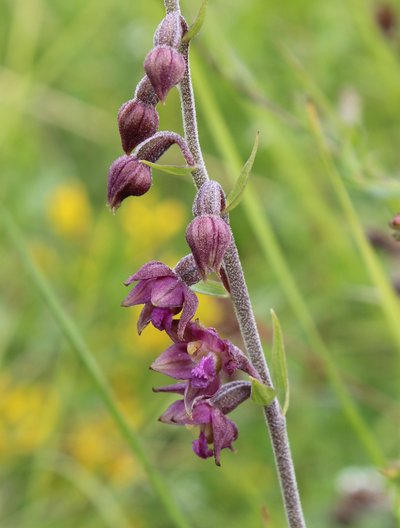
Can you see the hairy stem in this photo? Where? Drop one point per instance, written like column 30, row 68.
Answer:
column 244, row 312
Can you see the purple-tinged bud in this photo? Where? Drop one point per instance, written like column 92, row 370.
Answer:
column 395, row 223
column 165, row 67
column 169, row 31
column 127, row 177
column 208, row 236
column 145, row 92
column 230, row 395
column 210, row 199
column 154, row 147
column 187, row 270
column 137, row 121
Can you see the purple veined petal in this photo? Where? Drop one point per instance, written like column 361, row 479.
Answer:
column 151, row 270
column 144, row 317
column 204, row 372
column 189, row 309
column 224, row 433
column 177, row 388
column 140, row 294
column 202, row 413
column 176, row 414
column 167, row 292
column 193, row 395
column 162, row 318
column 200, row 447
column 174, row 362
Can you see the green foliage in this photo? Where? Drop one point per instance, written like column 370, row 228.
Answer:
column 279, row 369
column 261, row 394
column 210, row 287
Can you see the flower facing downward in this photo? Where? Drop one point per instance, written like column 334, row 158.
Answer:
column 127, row 177
column 137, row 121
column 215, row 428
column 165, row 67
column 208, row 236
column 163, row 294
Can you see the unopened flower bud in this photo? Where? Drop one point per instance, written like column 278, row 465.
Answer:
column 165, row 67
column 137, row 121
column 210, row 199
column 395, row 223
column 169, row 31
column 231, row 395
column 127, row 177
column 208, row 237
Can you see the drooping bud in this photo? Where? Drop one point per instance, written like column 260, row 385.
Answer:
column 208, row 236
column 153, row 148
column 127, row 177
column 210, row 199
column 169, row 31
column 137, row 121
column 165, row 67
column 230, row 395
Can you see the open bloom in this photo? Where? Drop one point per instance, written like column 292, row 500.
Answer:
column 201, row 359
column 164, row 294
column 216, row 429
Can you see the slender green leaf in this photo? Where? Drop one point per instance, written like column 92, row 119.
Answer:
column 196, row 26
column 236, row 194
column 261, row 394
column 210, row 287
column 178, row 170
column 278, row 365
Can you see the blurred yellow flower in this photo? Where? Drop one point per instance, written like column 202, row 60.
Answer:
column 68, row 209
column 27, row 416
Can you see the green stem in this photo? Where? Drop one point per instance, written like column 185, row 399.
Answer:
column 75, row 339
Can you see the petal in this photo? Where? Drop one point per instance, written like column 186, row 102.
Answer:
column 140, row 294
column 167, row 292
column 175, row 362
column 178, row 388
column 224, row 433
column 144, row 317
column 176, row 414
column 200, row 447
column 202, row 413
column 193, row 395
column 189, row 309
column 162, row 318
column 152, row 270
column 204, row 372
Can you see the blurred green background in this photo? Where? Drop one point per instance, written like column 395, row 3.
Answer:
column 321, row 82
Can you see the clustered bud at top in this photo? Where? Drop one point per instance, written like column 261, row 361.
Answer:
column 164, row 65
column 210, row 199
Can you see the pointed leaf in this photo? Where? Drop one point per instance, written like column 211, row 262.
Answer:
column 261, row 394
column 196, row 26
column 278, row 365
column 236, row 194
column 178, row 170
column 210, row 287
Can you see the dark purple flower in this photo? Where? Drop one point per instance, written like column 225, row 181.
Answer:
column 216, row 429
column 137, row 121
column 208, row 236
column 165, row 67
column 127, row 177
column 163, row 294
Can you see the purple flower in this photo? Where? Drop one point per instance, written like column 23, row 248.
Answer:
column 137, row 121
column 165, row 67
column 216, row 429
column 127, row 177
column 163, row 294
column 208, row 236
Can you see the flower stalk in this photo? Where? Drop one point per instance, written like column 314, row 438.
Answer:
column 244, row 312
